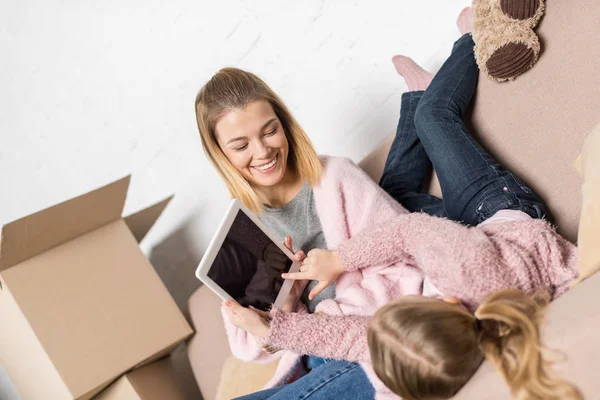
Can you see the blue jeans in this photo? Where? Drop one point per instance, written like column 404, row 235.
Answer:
column 327, row 379
column 431, row 132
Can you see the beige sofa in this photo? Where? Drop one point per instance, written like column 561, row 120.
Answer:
column 536, row 126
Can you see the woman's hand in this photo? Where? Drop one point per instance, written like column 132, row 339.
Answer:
column 320, row 265
column 294, row 296
column 275, row 263
column 253, row 321
column 300, row 285
column 299, row 256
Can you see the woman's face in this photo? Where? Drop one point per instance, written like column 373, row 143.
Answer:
column 254, row 141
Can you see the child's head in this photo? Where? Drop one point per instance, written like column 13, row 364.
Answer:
column 424, row 348
column 251, row 137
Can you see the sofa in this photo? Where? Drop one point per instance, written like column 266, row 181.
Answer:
column 536, row 126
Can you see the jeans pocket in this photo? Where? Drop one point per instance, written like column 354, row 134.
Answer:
column 491, row 206
column 521, row 184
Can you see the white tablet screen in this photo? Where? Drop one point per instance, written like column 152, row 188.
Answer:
column 249, row 265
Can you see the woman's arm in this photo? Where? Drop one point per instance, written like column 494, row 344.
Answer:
column 244, row 346
column 241, row 321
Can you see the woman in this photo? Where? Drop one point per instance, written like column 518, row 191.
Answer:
column 268, row 162
column 508, row 250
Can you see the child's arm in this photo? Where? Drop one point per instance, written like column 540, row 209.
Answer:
column 327, row 336
column 468, row 262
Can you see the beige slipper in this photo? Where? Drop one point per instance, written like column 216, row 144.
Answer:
column 505, row 47
column 530, row 11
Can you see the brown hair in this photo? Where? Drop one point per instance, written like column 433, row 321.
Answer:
column 232, row 89
column 424, row 349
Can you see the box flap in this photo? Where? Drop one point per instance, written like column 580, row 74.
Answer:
column 157, row 381
column 122, row 389
column 36, row 233
column 140, row 223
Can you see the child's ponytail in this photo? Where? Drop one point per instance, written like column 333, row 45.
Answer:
column 508, row 325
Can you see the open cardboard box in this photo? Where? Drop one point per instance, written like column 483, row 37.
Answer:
column 80, row 304
column 156, row 381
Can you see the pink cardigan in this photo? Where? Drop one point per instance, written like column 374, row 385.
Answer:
column 347, row 202
column 358, row 217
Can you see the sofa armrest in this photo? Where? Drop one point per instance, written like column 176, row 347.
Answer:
column 571, row 327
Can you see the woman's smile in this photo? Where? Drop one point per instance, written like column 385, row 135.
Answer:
column 268, row 167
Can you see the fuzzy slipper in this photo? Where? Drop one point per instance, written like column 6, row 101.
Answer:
column 504, row 47
column 529, row 11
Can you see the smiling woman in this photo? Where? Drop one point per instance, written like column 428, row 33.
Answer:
column 377, row 251
column 254, row 142
column 260, row 152
column 268, row 162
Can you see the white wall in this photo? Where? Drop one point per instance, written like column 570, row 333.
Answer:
column 92, row 91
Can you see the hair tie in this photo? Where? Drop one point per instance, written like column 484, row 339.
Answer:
column 478, row 327
column 491, row 328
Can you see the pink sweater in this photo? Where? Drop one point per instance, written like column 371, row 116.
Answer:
column 347, row 202
column 463, row 262
column 388, row 252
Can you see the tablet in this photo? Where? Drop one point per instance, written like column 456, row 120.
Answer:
column 244, row 261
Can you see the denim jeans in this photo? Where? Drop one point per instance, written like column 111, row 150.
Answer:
column 431, row 132
column 327, row 379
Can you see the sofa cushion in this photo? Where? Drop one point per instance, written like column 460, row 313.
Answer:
column 208, row 348
column 240, row 378
column 571, row 327
column 536, row 124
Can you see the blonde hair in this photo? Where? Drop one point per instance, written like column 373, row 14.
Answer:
column 425, row 349
column 233, row 89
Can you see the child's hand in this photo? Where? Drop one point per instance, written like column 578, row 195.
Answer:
column 321, row 265
column 253, row 321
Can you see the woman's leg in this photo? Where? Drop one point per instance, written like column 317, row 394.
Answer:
column 327, row 379
column 474, row 185
column 407, row 165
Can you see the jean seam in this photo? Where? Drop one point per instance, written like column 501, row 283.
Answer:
column 487, row 164
column 403, row 128
column 459, row 83
column 409, row 117
column 340, row 373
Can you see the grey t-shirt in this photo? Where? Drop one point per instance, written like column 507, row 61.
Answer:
column 299, row 219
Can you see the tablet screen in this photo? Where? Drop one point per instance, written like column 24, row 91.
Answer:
column 249, row 265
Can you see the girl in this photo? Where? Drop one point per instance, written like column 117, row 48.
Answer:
column 411, row 338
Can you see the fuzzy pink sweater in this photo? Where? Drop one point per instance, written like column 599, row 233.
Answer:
column 388, row 252
column 463, row 262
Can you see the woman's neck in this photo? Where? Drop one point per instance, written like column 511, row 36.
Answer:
column 279, row 195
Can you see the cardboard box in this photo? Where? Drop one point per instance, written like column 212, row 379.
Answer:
column 156, row 381
column 80, row 304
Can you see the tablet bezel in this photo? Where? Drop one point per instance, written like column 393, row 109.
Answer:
column 217, row 241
